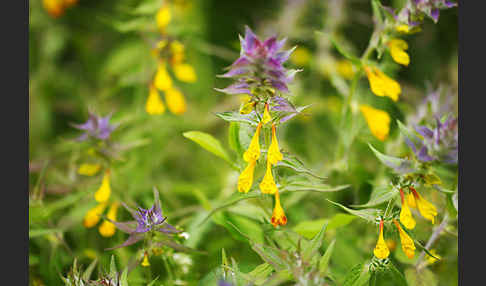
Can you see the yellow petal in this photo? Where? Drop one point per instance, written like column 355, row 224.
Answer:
column 391, row 88
column 411, row 201
column 245, row 181
column 103, row 193
column 406, row 217
column 403, row 28
column 89, row 169
column 407, row 243
column 426, row 209
column 266, row 115
column 154, row 105
column 55, row 8
column 185, row 73
column 145, row 262
column 381, row 250
column 163, row 18
column 278, row 216
column 397, row 51
column 274, row 155
column 178, row 52
column 93, row 216
column 162, row 80
column 268, row 186
column 377, row 85
column 253, row 152
column 175, row 101
column 107, row 228
column 378, row 121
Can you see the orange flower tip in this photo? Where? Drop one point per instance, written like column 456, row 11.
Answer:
column 276, row 221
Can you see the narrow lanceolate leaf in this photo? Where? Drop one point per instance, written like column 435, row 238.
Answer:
column 379, row 196
column 237, row 117
column 367, row 214
column 324, row 262
column 271, row 255
column 234, row 138
column 344, row 53
column 399, row 165
column 209, row 143
column 397, row 277
column 295, row 164
column 259, row 275
column 124, row 278
column 89, row 270
column 314, row 245
column 358, row 275
column 312, row 187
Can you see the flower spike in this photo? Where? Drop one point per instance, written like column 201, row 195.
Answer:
column 381, row 250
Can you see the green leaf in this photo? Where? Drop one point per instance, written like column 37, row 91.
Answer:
column 311, row 249
column 233, row 199
column 237, row 117
column 296, row 186
column 234, row 138
column 397, row 277
column 295, row 164
column 358, row 275
column 113, row 272
column 324, row 262
column 367, row 214
column 241, row 227
column 399, row 165
column 310, row 228
column 152, row 283
column 425, row 277
column 259, row 275
column 89, row 270
column 271, row 255
column 209, row 143
column 378, row 196
column 40, row 232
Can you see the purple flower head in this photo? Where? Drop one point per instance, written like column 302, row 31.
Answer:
column 260, row 63
column 96, row 127
column 145, row 220
column 431, row 7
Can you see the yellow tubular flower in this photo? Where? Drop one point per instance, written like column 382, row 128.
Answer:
column 246, row 178
column 426, row 209
column 55, row 8
column 92, row 217
column 175, row 101
column 411, row 201
column 407, row 243
column 268, row 186
column 278, row 216
column 185, row 72
column 397, row 51
column 381, row 84
column 162, row 80
column 103, row 193
column 107, row 228
column 145, row 262
column 274, row 155
column 253, row 152
column 154, row 105
column 378, row 121
column 266, row 115
column 405, row 214
column 163, row 18
column 89, row 169
column 381, row 249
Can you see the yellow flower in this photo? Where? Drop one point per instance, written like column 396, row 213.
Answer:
column 185, row 72
column 145, row 262
column 246, row 178
column 268, row 186
column 175, row 101
column 301, row 56
column 154, row 105
column 406, row 29
column 381, row 249
column 411, row 201
column 107, row 228
column 162, row 80
column 274, row 155
column 103, row 193
column 345, row 69
column 397, row 51
column 407, row 243
column 92, row 217
column 378, row 121
column 278, row 216
column 426, row 209
column 405, row 214
column 89, row 169
column 381, row 84
column 55, row 8
column 177, row 49
column 266, row 115
column 432, row 260
column 253, row 152
column 247, row 107
column 163, row 18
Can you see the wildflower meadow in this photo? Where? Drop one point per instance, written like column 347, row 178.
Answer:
column 235, row 143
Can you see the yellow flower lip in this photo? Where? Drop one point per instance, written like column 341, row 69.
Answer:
column 381, row 250
column 266, row 115
column 426, row 209
column 162, row 80
column 145, row 262
column 154, row 105
column 268, row 186
column 245, row 180
column 381, row 84
column 278, row 216
column 163, row 18
column 397, row 50
column 274, row 155
column 107, row 228
column 93, row 216
column 378, row 121
column 89, row 169
column 253, row 151
column 185, row 72
column 103, row 193
column 408, row 246
column 405, row 214
column 175, row 101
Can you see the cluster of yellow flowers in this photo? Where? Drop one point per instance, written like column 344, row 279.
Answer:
column 56, row 8
column 382, row 85
column 267, row 185
column 413, row 200
column 101, row 196
column 168, row 52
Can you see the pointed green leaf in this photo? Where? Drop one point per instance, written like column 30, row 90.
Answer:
column 209, row 143
column 324, row 262
column 314, row 245
column 399, row 165
column 367, row 214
